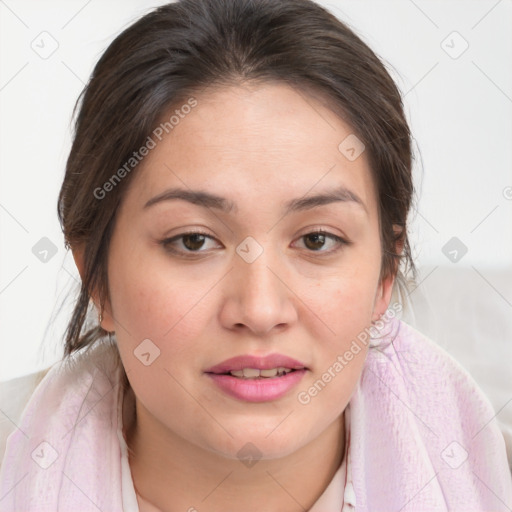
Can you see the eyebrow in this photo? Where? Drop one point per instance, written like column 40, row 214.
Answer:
column 208, row 200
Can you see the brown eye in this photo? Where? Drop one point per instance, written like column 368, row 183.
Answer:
column 317, row 240
column 192, row 242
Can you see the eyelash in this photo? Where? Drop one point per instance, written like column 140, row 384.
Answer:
column 168, row 241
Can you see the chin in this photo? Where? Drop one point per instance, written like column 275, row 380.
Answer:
column 265, row 443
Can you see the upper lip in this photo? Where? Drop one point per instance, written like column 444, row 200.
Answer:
column 259, row 362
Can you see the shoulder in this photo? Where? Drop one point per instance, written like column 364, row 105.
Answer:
column 430, row 412
column 429, row 382
column 432, row 376
column 441, row 391
column 14, row 396
column 53, row 390
column 420, row 356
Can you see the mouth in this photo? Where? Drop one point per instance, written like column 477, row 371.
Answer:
column 256, row 373
column 253, row 367
column 257, row 379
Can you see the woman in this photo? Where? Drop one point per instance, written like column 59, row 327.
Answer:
column 236, row 202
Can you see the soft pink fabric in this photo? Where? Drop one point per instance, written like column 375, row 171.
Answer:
column 414, row 416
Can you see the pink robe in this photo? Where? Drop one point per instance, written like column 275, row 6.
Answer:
column 423, row 437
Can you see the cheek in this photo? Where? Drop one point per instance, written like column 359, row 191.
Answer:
column 341, row 350
column 347, row 317
column 145, row 305
column 344, row 303
column 344, row 299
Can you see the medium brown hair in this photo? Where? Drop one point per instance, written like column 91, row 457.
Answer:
column 181, row 48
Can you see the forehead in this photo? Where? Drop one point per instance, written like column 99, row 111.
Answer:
column 254, row 141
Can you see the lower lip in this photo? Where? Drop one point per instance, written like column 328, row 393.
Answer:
column 257, row 390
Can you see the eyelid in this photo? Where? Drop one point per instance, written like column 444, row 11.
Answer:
column 341, row 240
column 324, row 231
column 167, row 241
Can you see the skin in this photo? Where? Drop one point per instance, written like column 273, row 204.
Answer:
column 259, row 146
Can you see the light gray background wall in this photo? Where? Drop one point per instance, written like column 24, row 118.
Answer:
column 458, row 100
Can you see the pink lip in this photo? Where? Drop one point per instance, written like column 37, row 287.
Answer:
column 261, row 363
column 257, row 390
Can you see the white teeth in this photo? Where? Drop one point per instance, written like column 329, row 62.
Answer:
column 269, row 373
column 254, row 373
column 250, row 373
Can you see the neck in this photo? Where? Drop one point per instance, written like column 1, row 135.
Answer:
column 173, row 474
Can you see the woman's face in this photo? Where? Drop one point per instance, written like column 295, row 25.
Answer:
column 256, row 282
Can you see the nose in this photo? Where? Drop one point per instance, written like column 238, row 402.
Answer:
column 258, row 299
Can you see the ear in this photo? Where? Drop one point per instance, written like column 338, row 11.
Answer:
column 383, row 297
column 385, row 288
column 107, row 322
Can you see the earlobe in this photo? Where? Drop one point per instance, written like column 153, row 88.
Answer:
column 385, row 289
column 383, row 297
